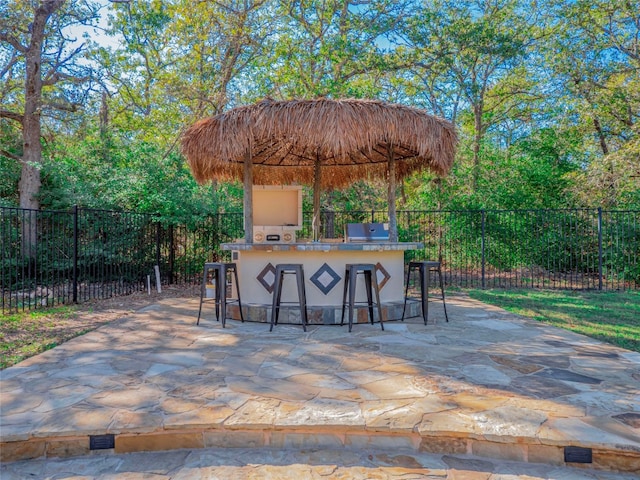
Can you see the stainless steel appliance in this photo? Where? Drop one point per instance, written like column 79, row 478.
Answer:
column 366, row 232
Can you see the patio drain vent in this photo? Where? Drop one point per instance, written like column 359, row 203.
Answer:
column 578, row 455
column 102, row 442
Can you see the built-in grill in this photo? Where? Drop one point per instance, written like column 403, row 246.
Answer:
column 366, row 232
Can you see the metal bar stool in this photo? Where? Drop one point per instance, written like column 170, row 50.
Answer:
column 283, row 269
column 219, row 273
column 352, row 270
column 424, row 269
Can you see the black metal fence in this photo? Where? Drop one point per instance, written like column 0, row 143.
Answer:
column 56, row 257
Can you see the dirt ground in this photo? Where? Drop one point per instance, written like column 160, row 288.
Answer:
column 110, row 309
column 22, row 336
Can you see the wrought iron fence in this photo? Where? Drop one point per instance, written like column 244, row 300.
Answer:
column 567, row 249
column 57, row 257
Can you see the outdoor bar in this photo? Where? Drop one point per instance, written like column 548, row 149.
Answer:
column 324, row 265
column 277, row 146
column 277, row 216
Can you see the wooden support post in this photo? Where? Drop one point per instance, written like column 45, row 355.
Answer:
column 248, row 198
column 316, row 200
column 393, row 222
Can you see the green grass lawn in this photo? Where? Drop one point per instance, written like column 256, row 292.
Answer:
column 612, row 317
column 25, row 334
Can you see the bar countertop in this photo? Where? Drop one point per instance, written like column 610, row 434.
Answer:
column 323, row 246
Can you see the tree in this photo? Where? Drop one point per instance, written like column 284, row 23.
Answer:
column 462, row 50
column 330, row 48
column 595, row 61
column 177, row 61
column 36, row 47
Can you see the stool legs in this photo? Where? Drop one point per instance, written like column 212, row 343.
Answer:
column 406, row 292
column 219, row 278
column 202, row 290
column 424, row 291
column 376, row 289
column 281, row 271
column 423, row 276
column 371, row 285
column 424, row 269
column 277, row 294
column 444, row 303
column 221, row 294
column 235, row 276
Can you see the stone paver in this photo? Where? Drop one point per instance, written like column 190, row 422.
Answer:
column 487, row 383
column 246, row 463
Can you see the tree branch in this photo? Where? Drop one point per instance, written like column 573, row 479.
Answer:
column 10, row 155
column 68, row 107
column 10, row 64
column 13, row 41
column 11, row 115
column 55, row 77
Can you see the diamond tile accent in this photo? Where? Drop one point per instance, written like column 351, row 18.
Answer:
column 325, row 278
column 267, row 277
column 382, row 275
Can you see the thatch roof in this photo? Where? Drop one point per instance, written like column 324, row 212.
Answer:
column 351, row 138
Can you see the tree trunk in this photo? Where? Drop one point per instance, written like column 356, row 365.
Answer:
column 32, row 148
column 29, row 186
column 477, row 139
column 105, row 143
column 610, row 199
column 601, row 137
column 104, row 115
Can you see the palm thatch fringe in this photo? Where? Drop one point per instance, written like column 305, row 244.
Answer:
column 352, row 138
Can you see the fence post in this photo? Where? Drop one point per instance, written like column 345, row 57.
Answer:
column 483, row 245
column 75, row 254
column 158, row 242
column 599, row 248
column 172, row 254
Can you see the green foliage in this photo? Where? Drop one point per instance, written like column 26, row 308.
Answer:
column 134, row 176
column 331, row 49
column 10, row 150
column 544, row 96
column 535, row 172
column 9, row 177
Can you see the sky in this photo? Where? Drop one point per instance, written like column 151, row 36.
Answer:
column 96, row 33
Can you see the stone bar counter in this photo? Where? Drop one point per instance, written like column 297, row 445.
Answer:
column 324, row 269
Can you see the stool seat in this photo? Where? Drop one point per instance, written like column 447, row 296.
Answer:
column 368, row 270
column 283, row 269
column 424, row 268
column 219, row 272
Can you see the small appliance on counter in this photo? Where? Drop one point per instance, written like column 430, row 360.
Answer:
column 277, row 213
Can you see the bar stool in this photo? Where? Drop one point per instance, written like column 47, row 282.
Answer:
column 424, row 269
column 283, row 269
column 219, row 274
column 352, row 270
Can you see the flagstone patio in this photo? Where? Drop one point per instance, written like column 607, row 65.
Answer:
column 488, row 383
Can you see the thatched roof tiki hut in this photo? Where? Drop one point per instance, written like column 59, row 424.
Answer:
column 327, row 143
